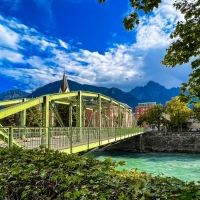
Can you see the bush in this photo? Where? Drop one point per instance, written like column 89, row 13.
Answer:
column 46, row 174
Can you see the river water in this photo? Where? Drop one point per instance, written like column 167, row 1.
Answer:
column 181, row 165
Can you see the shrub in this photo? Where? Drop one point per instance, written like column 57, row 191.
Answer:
column 47, row 174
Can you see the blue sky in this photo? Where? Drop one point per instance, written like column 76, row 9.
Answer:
column 39, row 38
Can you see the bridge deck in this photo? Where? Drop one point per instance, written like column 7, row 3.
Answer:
column 85, row 147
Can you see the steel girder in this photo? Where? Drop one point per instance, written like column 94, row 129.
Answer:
column 81, row 100
column 19, row 107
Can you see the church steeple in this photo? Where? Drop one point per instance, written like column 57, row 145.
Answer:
column 64, row 87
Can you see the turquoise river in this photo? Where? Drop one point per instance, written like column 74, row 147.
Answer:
column 181, row 165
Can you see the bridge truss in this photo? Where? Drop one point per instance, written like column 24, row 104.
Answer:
column 97, row 118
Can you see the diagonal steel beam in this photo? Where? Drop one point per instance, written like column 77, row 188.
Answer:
column 34, row 117
column 19, row 107
column 55, row 111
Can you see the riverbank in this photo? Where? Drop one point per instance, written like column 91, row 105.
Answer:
column 159, row 142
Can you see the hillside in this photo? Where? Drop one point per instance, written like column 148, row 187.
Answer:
column 13, row 94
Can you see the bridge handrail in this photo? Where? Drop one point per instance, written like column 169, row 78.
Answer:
column 58, row 137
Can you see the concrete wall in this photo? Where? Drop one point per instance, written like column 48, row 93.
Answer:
column 194, row 125
column 160, row 142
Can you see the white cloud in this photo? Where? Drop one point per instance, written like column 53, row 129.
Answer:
column 8, row 38
column 11, row 56
column 154, row 30
column 63, row 44
column 122, row 65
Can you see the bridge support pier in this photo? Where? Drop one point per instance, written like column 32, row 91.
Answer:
column 131, row 144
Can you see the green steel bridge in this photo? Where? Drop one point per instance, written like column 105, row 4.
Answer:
column 99, row 120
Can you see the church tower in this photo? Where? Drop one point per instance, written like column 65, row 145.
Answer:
column 64, row 87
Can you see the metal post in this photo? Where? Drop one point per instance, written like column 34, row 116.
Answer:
column 111, row 114
column 108, row 134
column 41, row 130
column 83, row 119
column 111, row 118
column 115, row 133
column 84, row 115
column 45, row 119
column 124, row 117
column 99, row 116
column 52, row 115
column 71, row 140
column 79, row 115
column 119, row 116
column 23, row 121
column 70, row 125
column 70, row 115
column 10, row 144
column 88, row 139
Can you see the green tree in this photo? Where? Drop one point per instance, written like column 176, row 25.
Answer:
column 142, row 119
column 119, row 119
column 155, row 115
column 134, row 122
column 178, row 111
column 33, row 116
column 196, row 112
column 12, row 120
column 186, row 39
column 31, row 121
column 132, row 19
column 63, row 111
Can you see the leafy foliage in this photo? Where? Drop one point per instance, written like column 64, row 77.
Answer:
column 153, row 116
column 30, row 119
column 187, row 46
column 196, row 112
column 47, row 174
column 187, row 33
column 178, row 111
column 142, row 119
column 12, row 120
column 63, row 111
column 132, row 19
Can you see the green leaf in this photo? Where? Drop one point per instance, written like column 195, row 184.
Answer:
column 16, row 170
column 67, row 195
column 24, row 194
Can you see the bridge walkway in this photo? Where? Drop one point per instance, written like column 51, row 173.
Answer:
column 67, row 139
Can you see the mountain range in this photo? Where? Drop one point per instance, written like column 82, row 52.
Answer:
column 13, row 94
column 151, row 92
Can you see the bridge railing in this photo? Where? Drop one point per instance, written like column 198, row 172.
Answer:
column 63, row 137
